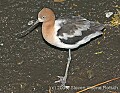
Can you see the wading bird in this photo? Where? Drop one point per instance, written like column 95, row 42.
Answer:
column 68, row 33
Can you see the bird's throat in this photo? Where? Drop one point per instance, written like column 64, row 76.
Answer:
column 48, row 32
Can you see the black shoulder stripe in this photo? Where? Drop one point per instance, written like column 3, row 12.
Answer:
column 72, row 40
column 75, row 39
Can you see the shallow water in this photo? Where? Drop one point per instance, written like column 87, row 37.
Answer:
column 30, row 65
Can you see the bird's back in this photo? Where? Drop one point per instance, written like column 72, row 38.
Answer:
column 72, row 30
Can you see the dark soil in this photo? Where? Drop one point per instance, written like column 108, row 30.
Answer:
column 30, row 65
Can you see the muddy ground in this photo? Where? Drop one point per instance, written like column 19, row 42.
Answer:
column 30, row 65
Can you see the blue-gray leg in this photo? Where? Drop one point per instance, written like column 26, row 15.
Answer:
column 62, row 79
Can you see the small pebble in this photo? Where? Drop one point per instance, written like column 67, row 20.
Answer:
column 108, row 14
column 1, row 44
column 30, row 22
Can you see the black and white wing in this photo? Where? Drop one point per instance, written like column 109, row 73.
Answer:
column 73, row 30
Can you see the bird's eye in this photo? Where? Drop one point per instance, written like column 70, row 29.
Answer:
column 43, row 17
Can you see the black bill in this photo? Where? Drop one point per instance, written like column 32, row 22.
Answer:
column 26, row 32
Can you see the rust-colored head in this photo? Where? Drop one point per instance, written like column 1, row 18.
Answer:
column 46, row 15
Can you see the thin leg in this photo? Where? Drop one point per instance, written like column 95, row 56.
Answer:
column 69, row 59
column 62, row 79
